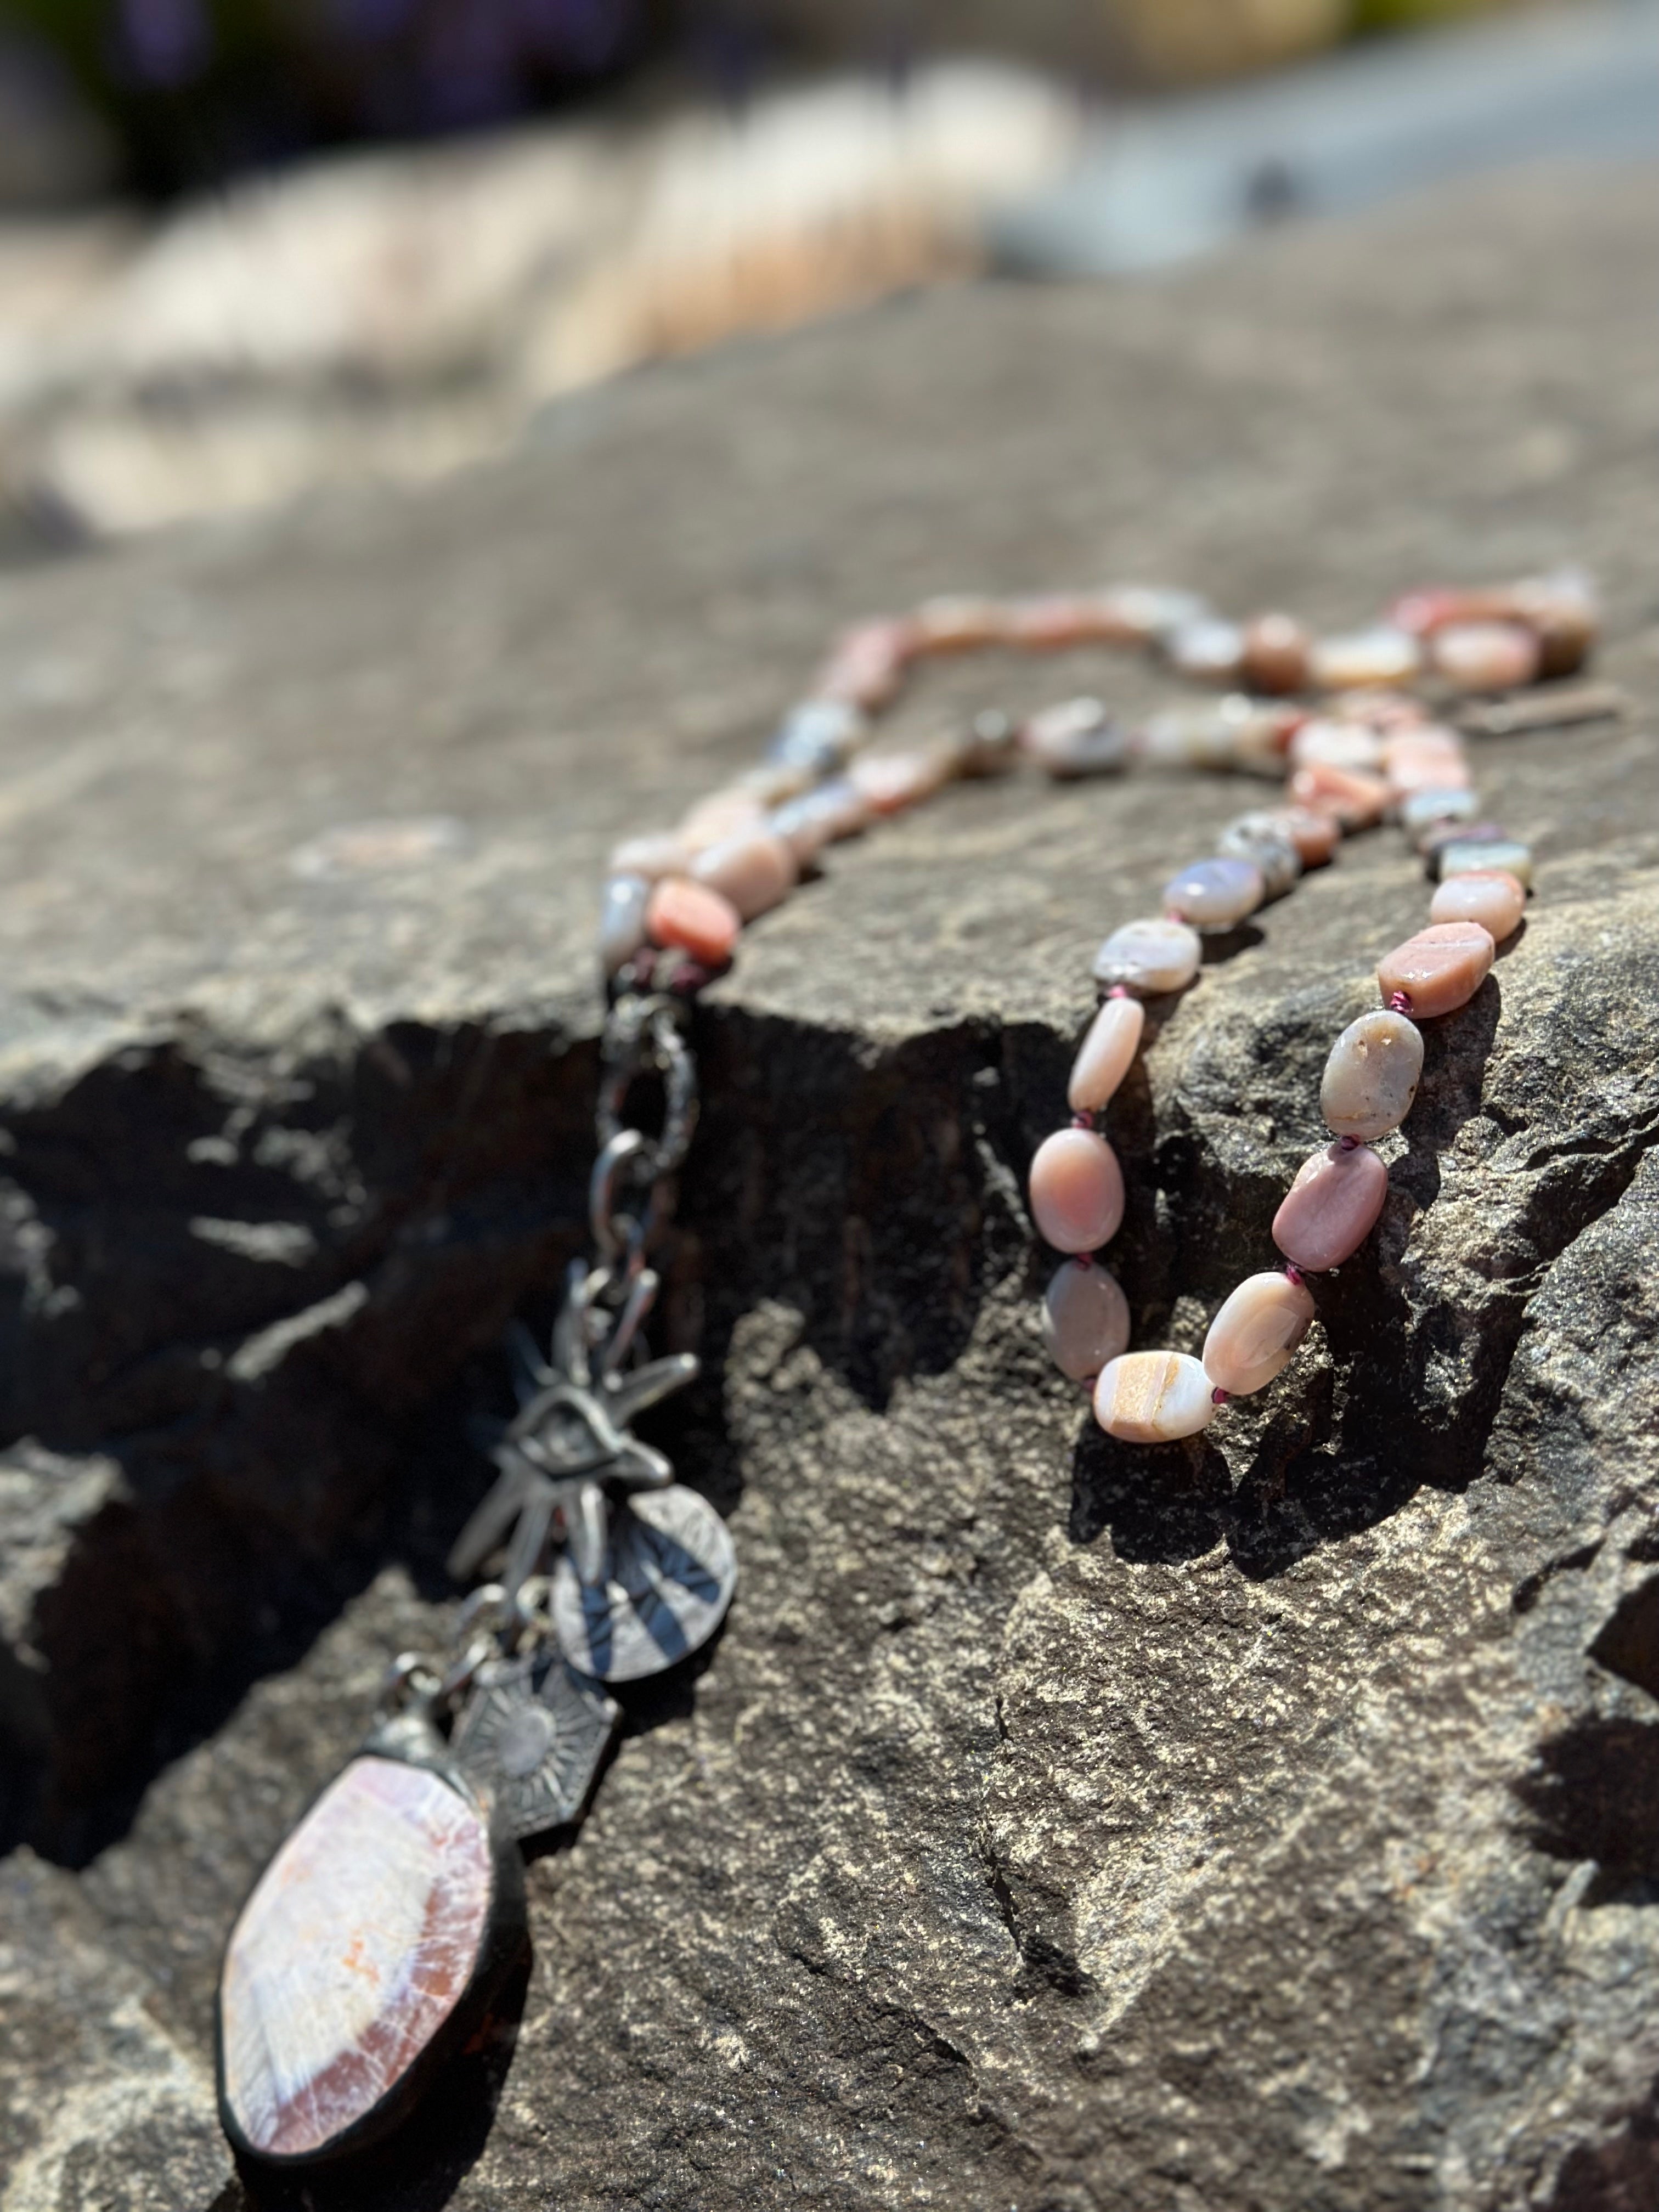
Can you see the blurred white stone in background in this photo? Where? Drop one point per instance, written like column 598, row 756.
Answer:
column 397, row 314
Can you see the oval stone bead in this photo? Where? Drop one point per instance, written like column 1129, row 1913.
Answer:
column 756, row 871
column 1149, row 957
column 1106, row 1054
column 1486, row 656
column 1492, row 896
column 1208, row 652
column 1265, row 840
column 1086, row 1320
column 1276, row 651
column 1256, row 1333
column 959, row 624
column 622, row 920
column 1423, row 760
column 868, row 665
column 820, row 818
column 1440, row 968
column 650, row 857
column 1463, row 855
column 819, row 736
column 1077, row 1191
column 1349, row 796
column 1371, row 1076
column 1215, row 894
column 889, row 782
column 697, row 920
column 722, row 815
column 1327, row 742
column 1075, row 738
column 359, row 1940
column 1315, row 837
column 1147, row 614
column 1385, row 657
column 1425, row 811
column 1331, row 1208
column 1154, row 1397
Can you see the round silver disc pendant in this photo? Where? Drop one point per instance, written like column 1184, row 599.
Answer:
column 670, row 1571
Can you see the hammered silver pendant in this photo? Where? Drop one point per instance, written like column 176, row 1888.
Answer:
column 667, row 1577
column 531, row 1739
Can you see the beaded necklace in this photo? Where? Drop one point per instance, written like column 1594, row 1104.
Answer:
column 373, row 1943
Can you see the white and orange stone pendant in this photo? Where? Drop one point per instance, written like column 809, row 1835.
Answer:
column 368, row 1953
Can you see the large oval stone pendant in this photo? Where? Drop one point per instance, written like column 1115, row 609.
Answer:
column 356, row 1962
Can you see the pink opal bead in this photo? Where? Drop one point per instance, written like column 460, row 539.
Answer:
column 723, row 814
column 1106, row 1056
column 1386, row 712
column 1356, row 801
column 1494, row 656
column 1074, row 737
column 1086, row 1320
column 1277, row 654
column 1429, row 759
column 1315, row 837
column 1323, row 742
column 958, row 625
column 1440, row 968
column 1492, row 896
column 1385, row 657
column 1077, row 1191
column 1216, row 894
column 755, row 870
column 695, row 918
column 1331, row 1208
column 820, row 818
column 1149, row 957
column 1371, row 1076
column 1154, row 1397
column 867, row 667
column 1060, row 619
column 1256, row 1333
column 650, row 857
column 889, row 782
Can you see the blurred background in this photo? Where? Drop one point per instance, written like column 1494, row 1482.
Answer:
column 251, row 247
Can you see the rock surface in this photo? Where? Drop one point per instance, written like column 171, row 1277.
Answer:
column 1268, row 1823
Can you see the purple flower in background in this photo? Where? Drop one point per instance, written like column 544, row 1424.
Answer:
column 164, row 42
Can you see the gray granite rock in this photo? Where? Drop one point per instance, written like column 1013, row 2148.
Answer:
column 1269, row 1824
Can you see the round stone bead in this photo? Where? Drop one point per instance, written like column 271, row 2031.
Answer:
column 1215, row 894
column 622, row 920
column 1077, row 1191
column 1331, row 1207
column 1460, row 856
column 1424, row 810
column 1256, row 1333
column 1384, row 656
column 1265, row 840
column 1371, row 1076
column 1440, row 968
column 1149, row 957
column 1086, row 1320
column 1561, row 611
column 1486, row 656
column 1106, row 1054
column 696, row 919
column 1154, row 1397
column 1077, row 737
column 1277, row 652
column 1208, row 652
column 1356, row 801
column 755, row 870
column 1491, row 897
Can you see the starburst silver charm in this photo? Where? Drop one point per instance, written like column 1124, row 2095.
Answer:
column 644, row 1578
